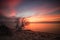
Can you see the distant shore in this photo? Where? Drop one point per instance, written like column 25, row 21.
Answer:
column 46, row 22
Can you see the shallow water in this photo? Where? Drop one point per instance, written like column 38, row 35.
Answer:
column 44, row 27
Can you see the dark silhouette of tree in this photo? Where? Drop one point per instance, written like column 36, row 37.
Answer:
column 19, row 28
column 17, row 24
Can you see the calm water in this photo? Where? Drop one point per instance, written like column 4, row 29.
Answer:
column 44, row 27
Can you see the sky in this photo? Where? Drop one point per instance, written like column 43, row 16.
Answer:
column 38, row 10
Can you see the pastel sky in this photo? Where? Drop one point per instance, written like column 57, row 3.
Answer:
column 40, row 10
column 37, row 9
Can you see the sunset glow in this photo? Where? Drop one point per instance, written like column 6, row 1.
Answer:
column 44, row 18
